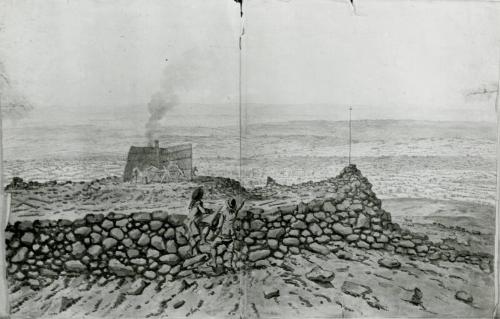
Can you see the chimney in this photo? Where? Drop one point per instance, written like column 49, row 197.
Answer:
column 157, row 153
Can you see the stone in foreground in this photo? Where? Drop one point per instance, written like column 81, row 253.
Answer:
column 137, row 287
column 390, row 263
column 271, row 293
column 464, row 296
column 320, row 276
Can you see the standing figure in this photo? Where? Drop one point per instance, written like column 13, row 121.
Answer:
column 194, row 219
column 225, row 234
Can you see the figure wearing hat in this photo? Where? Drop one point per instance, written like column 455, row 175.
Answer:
column 194, row 219
column 225, row 233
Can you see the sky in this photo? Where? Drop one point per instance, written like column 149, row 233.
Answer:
column 301, row 59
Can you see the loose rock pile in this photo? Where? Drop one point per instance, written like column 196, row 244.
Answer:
column 153, row 246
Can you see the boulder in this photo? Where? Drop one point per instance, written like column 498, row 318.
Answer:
column 291, row 241
column 390, row 263
column 120, row 269
column 108, row 243
column 155, row 225
column 139, row 261
column 272, row 243
column 422, row 248
column 132, row 253
column 171, row 246
column 169, row 233
column 464, row 297
column 116, row 233
column 20, row 255
column 299, row 225
column 170, row 259
column 352, row 237
column 323, row 239
column 276, row 233
column 157, row 242
column 257, row 224
column 74, row 266
column 406, row 244
column 143, row 240
column 137, row 287
column 164, row 269
column 194, row 260
column 152, row 253
column 259, row 254
column 159, row 215
column 362, row 222
column 355, row 289
column 83, row 231
column 271, row 292
column 329, row 207
column 78, row 249
column 28, row 238
column 149, row 274
column 319, row 275
column 141, row 217
column 320, row 249
column 363, row 244
column 134, row 234
column 315, row 229
column 341, row 229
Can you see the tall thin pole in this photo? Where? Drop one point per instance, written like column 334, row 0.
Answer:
column 350, row 109
column 4, row 299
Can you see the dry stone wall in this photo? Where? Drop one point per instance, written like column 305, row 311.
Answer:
column 153, row 246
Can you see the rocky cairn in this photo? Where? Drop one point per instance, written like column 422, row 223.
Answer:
column 153, row 246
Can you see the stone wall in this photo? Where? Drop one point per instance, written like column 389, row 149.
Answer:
column 153, row 246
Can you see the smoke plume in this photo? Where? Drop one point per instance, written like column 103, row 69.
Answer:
column 157, row 107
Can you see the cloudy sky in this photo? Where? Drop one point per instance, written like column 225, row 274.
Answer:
column 301, row 59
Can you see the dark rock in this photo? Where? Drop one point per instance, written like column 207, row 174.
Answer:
column 179, row 304
column 464, row 297
column 320, row 276
column 160, row 215
column 390, row 263
column 257, row 224
column 143, row 240
column 78, row 249
column 137, row 287
column 276, row 233
column 94, row 250
column 20, row 255
column 116, row 233
column 141, row 217
column 271, row 292
column 108, row 243
column 170, row 259
column 259, row 254
column 74, row 266
column 416, row 298
column 355, row 289
column 194, row 260
column 120, row 269
column 28, row 238
column 320, row 249
column 83, row 231
column 299, row 225
column 406, row 244
column 176, row 219
column 157, row 242
column 341, row 229
column 155, row 225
